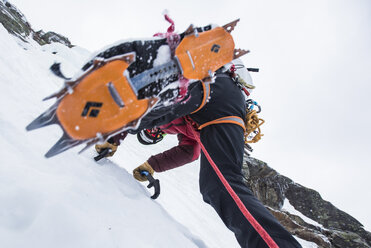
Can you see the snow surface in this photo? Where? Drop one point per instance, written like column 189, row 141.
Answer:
column 71, row 201
column 314, row 79
column 291, row 209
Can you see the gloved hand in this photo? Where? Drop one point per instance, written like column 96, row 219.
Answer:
column 107, row 145
column 145, row 166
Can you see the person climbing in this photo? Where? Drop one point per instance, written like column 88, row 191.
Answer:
column 218, row 110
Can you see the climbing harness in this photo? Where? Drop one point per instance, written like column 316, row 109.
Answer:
column 228, row 119
column 251, row 124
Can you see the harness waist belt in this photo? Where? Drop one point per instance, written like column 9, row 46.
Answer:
column 228, row 119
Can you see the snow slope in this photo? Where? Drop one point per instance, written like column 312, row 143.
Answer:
column 67, row 201
column 71, row 201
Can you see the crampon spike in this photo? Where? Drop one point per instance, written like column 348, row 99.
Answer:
column 49, row 117
column 229, row 27
column 98, row 62
column 239, row 52
column 190, row 30
column 61, row 92
column 63, row 144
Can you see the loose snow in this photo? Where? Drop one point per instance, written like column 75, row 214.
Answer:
column 163, row 56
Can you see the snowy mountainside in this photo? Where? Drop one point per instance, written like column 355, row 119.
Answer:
column 67, row 201
column 71, row 201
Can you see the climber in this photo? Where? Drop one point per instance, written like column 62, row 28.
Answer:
column 218, row 110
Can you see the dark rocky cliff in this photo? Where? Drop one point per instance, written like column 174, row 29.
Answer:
column 16, row 24
column 337, row 229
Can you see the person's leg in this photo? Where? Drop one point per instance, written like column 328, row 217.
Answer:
column 224, row 143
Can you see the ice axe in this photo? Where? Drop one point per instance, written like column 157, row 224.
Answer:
column 152, row 183
column 102, row 154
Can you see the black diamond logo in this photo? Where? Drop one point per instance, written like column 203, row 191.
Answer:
column 91, row 109
column 215, row 48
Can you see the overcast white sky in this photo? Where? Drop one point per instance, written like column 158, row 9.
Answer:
column 314, row 84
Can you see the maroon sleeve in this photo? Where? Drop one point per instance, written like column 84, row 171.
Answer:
column 187, row 151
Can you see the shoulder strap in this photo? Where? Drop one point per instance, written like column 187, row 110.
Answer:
column 206, row 88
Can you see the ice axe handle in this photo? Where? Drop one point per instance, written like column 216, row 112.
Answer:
column 152, row 183
column 102, row 154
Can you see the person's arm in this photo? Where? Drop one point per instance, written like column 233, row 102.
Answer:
column 185, row 152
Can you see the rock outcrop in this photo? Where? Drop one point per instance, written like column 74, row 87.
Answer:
column 330, row 227
column 16, row 24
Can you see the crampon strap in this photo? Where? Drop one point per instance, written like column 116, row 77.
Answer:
column 173, row 40
column 262, row 232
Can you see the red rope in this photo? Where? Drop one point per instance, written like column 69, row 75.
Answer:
column 171, row 29
column 262, row 232
column 172, row 38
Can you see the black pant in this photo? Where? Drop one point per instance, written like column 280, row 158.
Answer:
column 225, row 144
column 226, row 150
